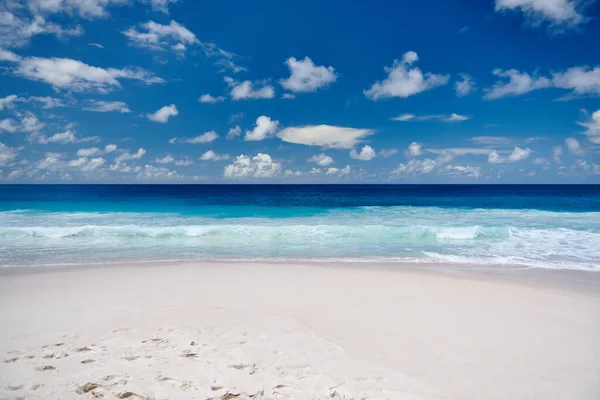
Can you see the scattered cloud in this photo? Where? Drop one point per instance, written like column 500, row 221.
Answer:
column 29, row 123
column 332, row 171
column 592, row 127
column 416, row 166
column 492, row 140
column 163, row 114
column 248, row 90
column 208, row 98
column 465, row 86
column 126, row 156
column 305, row 76
column 414, row 150
column 558, row 14
column 169, row 159
column 288, row 96
column 74, row 75
column 321, row 160
column 366, row 153
column 160, row 5
column 8, row 154
column 464, row 170
column 8, row 101
column 403, row 80
column 518, row 154
column 573, row 146
column 234, row 132
column 581, row 81
column 206, row 137
column 557, row 152
column 152, row 172
column 236, row 117
column 47, row 102
column 464, row 29
column 16, row 31
column 265, row 128
column 327, row 136
column 212, row 156
column 259, row 166
column 158, row 37
column 433, row 117
column 66, row 137
column 98, row 45
column 106, row 106
column 388, row 152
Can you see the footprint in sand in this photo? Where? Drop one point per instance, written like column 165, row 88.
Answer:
column 46, row 368
column 88, row 361
column 250, row 369
column 11, row 360
column 185, row 385
column 14, row 388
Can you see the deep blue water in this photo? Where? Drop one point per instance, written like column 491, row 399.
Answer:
column 548, row 226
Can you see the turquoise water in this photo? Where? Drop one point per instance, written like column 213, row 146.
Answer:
column 545, row 227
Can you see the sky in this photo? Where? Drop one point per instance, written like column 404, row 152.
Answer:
column 186, row 91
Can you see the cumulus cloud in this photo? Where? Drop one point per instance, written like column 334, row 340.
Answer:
column 206, row 137
column 556, row 13
column 366, row 153
column 8, row 101
column 127, row 156
column 305, row 76
column 327, row 136
column 265, row 127
column 66, row 137
column 259, row 166
column 518, row 154
column 106, row 106
column 332, row 171
column 573, row 146
column 580, row 81
column 160, row 5
column 7, row 154
column 212, row 156
column 557, row 153
column 85, row 164
column 321, row 160
column 592, row 127
column 69, row 74
column 152, row 172
column 163, row 114
column 88, row 152
column 464, row 170
column 47, row 102
column 465, row 86
column 208, row 98
column 169, row 159
column 158, row 37
column 234, row 132
column 248, row 90
column 404, row 80
column 432, row 117
column 492, row 140
column 29, row 123
column 414, row 150
column 416, row 166
column 17, row 31
column 388, row 152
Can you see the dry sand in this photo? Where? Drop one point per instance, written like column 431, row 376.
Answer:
column 293, row 331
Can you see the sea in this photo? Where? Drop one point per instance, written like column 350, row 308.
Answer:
column 496, row 226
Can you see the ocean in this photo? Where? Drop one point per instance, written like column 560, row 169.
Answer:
column 497, row 226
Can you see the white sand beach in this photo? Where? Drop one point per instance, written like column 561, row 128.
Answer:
column 297, row 331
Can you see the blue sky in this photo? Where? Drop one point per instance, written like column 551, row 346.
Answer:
column 177, row 91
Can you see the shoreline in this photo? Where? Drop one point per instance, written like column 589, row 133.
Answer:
column 297, row 330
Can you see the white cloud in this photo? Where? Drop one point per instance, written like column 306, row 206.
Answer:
column 388, row 152
column 206, row 137
column 69, row 74
column 98, row 45
column 212, row 156
column 208, row 98
column 234, row 132
column 404, row 80
column 16, row 31
column 554, row 12
column 315, row 171
column 8, row 101
column 246, row 90
column 152, row 172
column 47, row 102
column 432, row 117
column 465, row 86
column 163, row 114
column 106, row 106
column 259, row 166
column 128, row 156
column 592, row 127
column 289, row 172
column 87, row 165
column 88, row 152
column 7, row 154
column 414, row 150
column 89, row 9
column 337, row 171
column 154, row 36
column 557, row 152
column 8, row 125
column 573, row 146
column 492, row 140
column 29, row 123
column 160, row 5
column 305, row 76
column 366, row 153
column 328, row 136
column 51, row 161
column 518, row 154
column 66, row 137
column 109, row 148
column 321, row 160
column 265, row 128
column 165, row 160
column 288, row 96
column 466, row 170
column 579, row 80
column 416, row 166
